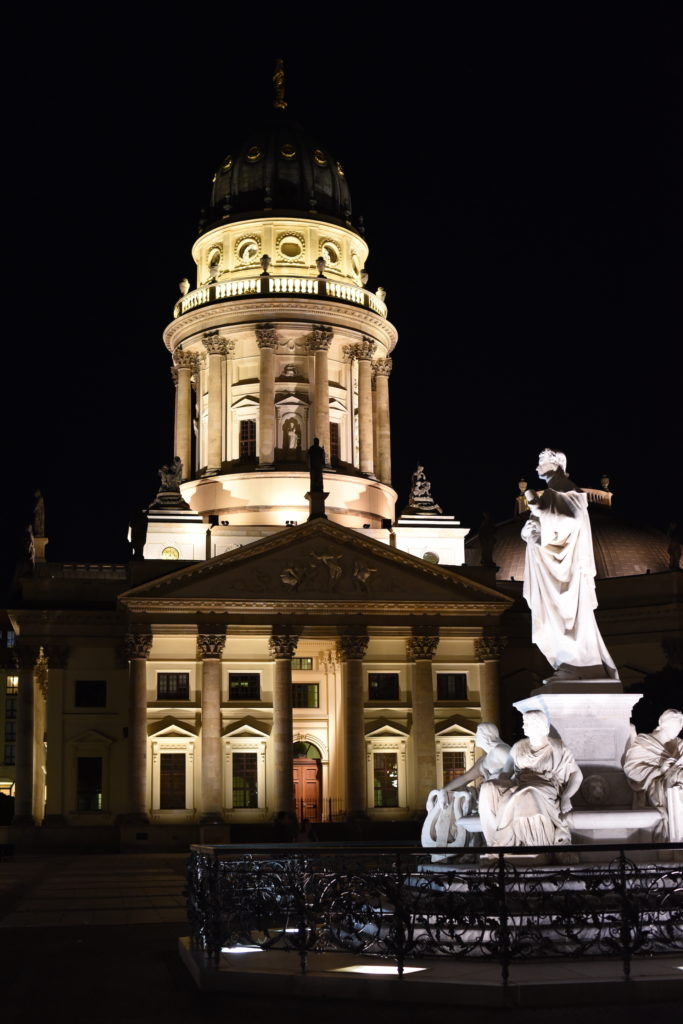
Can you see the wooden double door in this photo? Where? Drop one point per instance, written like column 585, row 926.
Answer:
column 307, row 788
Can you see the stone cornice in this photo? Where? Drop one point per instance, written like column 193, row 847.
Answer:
column 191, row 607
column 258, row 310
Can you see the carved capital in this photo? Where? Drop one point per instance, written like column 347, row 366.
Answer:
column 229, row 347
column 422, row 645
column 361, row 349
column 283, row 645
column 184, row 360
column 174, row 375
column 210, row 645
column 138, row 645
column 381, row 367
column 213, row 343
column 266, row 336
column 489, row 648
column 41, row 671
column 352, row 646
column 320, row 339
column 57, row 656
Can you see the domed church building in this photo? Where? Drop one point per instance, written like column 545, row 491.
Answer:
column 279, row 640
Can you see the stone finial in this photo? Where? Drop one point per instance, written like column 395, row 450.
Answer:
column 321, row 263
column 210, row 645
column 265, row 262
column 422, row 645
column 138, row 646
column 283, row 645
column 490, row 648
column 266, row 336
column 184, row 286
column 352, row 646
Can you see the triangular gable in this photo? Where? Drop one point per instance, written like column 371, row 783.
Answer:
column 318, row 561
column 91, row 736
column 246, row 401
column 247, row 726
column 456, row 724
column 385, row 727
column 170, row 726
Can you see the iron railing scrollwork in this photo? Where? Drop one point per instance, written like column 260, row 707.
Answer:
column 392, row 902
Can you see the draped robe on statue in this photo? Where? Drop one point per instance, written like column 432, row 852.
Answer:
column 559, row 580
column 527, row 812
column 656, row 769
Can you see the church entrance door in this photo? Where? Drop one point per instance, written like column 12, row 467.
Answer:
column 307, row 788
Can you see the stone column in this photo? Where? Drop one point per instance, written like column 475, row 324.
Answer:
column 138, row 647
column 363, row 351
column 266, row 339
column 227, row 408
column 421, row 648
column 382, row 369
column 489, row 650
column 54, row 805
column 375, row 440
column 215, row 349
column 352, row 649
column 209, row 650
column 282, row 647
column 319, row 343
column 39, row 725
column 184, row 363
column 23, row 806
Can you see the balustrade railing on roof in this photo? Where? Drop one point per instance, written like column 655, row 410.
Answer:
column 315, row 287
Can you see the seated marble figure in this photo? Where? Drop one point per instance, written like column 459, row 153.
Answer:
column 531, row 808
column 459, row 798
column 653, row 765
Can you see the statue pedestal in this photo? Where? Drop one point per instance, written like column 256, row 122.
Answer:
column 316, row 504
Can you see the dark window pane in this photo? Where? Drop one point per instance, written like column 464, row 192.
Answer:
column 173, row 686
column 334, row 443
column 386, row 780
column 451, row 685
column 247, row 439
column 10, row 731
column 453, row 764
column 302, row 664
column 10, row 753
column 89, row 784
column 172, row 782
column 10, row 707
column 305, row 695
column 244, row 780
column 244, row 686
column 383, row 685
column 90, row 693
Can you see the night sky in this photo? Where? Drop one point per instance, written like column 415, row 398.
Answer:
column 519, row 175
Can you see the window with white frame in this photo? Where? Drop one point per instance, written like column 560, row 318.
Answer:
column 244, row 775
column 454, row 756
column 386, row 772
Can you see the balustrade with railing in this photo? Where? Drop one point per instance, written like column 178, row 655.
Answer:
column 313, row 287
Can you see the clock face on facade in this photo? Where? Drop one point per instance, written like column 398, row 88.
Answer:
column 170, row 553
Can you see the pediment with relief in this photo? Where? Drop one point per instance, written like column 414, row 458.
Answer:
column 318, row 562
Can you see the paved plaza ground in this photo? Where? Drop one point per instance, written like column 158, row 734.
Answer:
column 94, row 938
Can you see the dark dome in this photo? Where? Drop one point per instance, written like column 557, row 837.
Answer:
column 279, row 169
column 620, row 548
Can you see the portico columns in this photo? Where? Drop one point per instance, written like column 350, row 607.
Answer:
column 421, row 648
column 23, row 807
column 184, row 364
column 489, row 650
column 382, row 369
column 209, row 650
column 138, row 647
column 363, row 351
column 215, row 347
column 282, row 648
column 266, row 339
column 319, row 343
column 352, row 649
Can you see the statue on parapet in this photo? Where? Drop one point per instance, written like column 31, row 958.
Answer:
column 168, row 495
column 559, row 576
column 39, row 515
column 420, row 497
column 653, row 765
column 316, row 461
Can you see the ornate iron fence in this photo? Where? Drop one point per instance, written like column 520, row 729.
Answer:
column 390, row 901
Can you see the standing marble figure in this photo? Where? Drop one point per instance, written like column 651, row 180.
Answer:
column 559, row 576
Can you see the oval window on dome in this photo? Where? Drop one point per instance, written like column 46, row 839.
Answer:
column 320, row 158
column 226, row 165
column 331, row 253
column 291, row 247
column 288, row 151
column 170, row 553
column 247, row 250
column 253, row 154
column 214, row 257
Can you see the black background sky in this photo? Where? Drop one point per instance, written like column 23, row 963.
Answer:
column 519, row 171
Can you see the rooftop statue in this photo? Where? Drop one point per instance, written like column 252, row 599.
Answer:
column 316, row 461
column 39, row 515
column 420, row 498
column 171, row 475
column 653, row 765
column 559, row 576
column 531, row 808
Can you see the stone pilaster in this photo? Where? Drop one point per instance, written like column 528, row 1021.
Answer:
column 138, row 647
column 382, row 369
column 54, row 806
column 25, row 657
column 266, row 339
column 488, row 651
column 352, row 649
column 420, row 649
column 209, row 651
column 363, row 352
column 215, row 348
column 319, row 343
column 282, row 647
column 184, row 365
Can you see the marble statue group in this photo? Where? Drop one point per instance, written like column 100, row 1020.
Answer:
column 522, row 796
